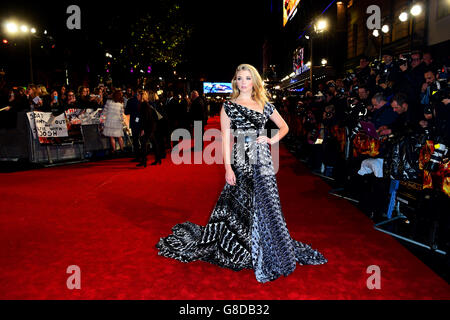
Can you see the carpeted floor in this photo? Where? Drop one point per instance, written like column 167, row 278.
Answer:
column 106, row 218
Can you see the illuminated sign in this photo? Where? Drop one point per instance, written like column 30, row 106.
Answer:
column 289, row 10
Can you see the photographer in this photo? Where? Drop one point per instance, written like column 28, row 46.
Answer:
column 330, row 144
column 430, row 76
column 411, row 76
column 382, row 114
column 406, row 123
column 363, row 73
column 386, row 74
column 364, row 95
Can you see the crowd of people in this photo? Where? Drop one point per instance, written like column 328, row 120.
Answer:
column 150, row 117
column 387, row 121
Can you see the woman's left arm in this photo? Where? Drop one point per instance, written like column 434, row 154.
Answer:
column 281, row 124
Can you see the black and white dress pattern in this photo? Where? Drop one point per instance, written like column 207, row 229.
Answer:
column 246, row 229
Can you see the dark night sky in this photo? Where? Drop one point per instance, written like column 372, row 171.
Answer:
column 226, row 33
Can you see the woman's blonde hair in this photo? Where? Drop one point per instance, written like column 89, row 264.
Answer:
column 153, row 96
column 43, row 90
column 144, row 95
column 259, row 93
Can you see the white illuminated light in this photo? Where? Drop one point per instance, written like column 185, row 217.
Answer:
column 24, row 28
column 11, row 27
column 308, row 63
column 416, row 10
column 385, row 28
column 321, row 25
column 324, row 62
column 33, row 30
column 292, row 74
column 375, row 33
column 307, row 37
column 45, row 31
column 403, row 16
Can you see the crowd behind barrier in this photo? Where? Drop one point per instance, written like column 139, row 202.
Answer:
column 384, row 125
column 47, row 126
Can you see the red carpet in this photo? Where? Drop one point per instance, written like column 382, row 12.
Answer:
column 106, row 217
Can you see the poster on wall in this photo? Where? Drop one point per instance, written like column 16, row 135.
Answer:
column 289, row 10
column 297, row 61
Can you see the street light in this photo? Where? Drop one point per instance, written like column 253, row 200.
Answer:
column 319, row 27
column 375, row 33
column 403, row 16
column 324, row 62
column 385, row 28
column 11, row 27
column 416, row 10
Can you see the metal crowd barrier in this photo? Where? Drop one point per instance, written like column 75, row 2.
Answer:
column 18, row 144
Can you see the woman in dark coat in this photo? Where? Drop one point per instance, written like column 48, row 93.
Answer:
column 148, row 120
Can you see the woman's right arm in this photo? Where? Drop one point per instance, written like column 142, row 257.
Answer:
column 226, row 146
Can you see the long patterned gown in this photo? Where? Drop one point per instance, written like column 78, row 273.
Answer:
column 246, row 229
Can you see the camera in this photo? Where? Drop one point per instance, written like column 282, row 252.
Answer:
column 428, row 109
column 356, row 109
column 348, row 80
column 439, row 91
column 355, row 131
column 440, row 150
column 404, row 59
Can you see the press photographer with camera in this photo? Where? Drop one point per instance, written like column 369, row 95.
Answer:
column 363, row 73
column 382, row 114
column 406, row 123
column 410, row 78
column 388, row 78
column 431, row 77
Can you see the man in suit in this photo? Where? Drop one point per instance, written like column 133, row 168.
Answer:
column 197, row 111
column 173, row 113
column 132, row 109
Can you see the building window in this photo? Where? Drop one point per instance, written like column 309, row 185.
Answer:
column 443, row 9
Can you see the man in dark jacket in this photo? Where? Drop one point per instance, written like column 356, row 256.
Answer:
column 382, row 114
column 132, row 109
column 406, row 123
column 148, row 120
column 197, row 111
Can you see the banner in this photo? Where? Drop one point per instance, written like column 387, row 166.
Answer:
column 50, row 129
column 45, row 125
